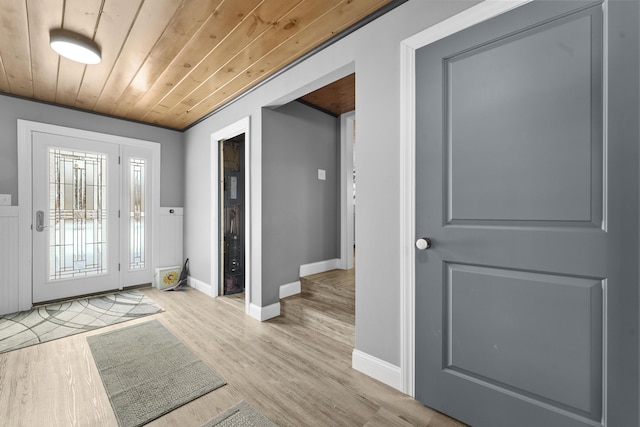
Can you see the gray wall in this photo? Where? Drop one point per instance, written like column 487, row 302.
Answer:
column 373, row 52
column 300, row 213
column 12, row 109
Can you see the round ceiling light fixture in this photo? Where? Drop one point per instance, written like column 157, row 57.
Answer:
column 75, row 46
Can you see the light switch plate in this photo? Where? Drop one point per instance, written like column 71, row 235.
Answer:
column 5, row 199
column 322, row 174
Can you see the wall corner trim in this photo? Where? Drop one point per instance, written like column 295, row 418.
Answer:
column 378, row 369
column 264, row 313
column 289, row 289
column 319, row 267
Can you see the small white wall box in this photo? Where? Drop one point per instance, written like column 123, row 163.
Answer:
column 167, row 277
column 5, row 199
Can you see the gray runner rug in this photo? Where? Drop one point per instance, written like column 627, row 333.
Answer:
column 62, row 319
column 147, row 372
column 240, row 415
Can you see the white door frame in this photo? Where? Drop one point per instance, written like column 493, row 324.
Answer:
column 25, row 250
column 347, row 139
column 235, row 129
column 472, row 16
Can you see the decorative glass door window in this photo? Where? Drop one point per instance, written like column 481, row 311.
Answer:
column 136, row 214
column 77, row 214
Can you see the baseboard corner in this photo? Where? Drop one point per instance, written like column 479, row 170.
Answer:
column 319, row 267
column 378, row 369
column 264, row 313
column 200, row 286
column 290, row 289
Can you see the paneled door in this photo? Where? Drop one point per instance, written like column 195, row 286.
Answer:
column 76, row 200
column 527, row 218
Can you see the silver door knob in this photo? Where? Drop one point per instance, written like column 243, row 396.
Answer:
column 423, row 243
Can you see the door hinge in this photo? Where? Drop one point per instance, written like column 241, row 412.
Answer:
column 118, row 213
column 118, row 266
column 118, row 159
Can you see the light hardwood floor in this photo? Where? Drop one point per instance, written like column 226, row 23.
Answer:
column 292, row 374
column 326, row 304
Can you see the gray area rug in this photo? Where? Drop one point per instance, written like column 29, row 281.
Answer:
column 147, row 372
column 60, row 320
column 240, row 415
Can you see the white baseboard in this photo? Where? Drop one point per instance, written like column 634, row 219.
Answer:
column 376, row 368
column 264, row 313
column 289, row 289
column 201, row 286
column 319, row 267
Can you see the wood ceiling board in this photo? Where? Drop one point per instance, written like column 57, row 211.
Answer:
column 14, row 47
column 69, row 86
column 221, row 22
column 115, row 24
column 170, row 73
column 337, row 98
column 260, row 60
column 81, row 17
column 4, row 83
column 180, row 43
column 44, row 61
column 342, row 16
column 151, row 22
column 230, row 47
column 251, row 24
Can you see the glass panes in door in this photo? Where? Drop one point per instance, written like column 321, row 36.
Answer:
column 92, row 213
column 77, row 214
column 136, row 214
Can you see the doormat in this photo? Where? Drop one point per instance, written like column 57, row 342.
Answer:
column 147, row 372
column 240, row 415
column 59, row 320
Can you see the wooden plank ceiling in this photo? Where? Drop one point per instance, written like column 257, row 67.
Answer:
column 164, row 62
column 336, row 98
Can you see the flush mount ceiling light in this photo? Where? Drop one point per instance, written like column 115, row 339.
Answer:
column 75, row 46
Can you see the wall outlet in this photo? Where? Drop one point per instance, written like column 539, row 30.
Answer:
column 322, row 174
column 5, row 199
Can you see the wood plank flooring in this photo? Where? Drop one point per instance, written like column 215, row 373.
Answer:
column 292, row 374
column 325, row 304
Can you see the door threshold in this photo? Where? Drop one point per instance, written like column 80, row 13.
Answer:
column 95, row 294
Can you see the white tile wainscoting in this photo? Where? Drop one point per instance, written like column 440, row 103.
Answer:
column 170, row 237
column 9, row 283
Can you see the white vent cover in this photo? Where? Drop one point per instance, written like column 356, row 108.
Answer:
column 167, row 277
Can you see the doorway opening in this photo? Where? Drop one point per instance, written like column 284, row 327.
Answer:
column 232, row 216
column 326, row 281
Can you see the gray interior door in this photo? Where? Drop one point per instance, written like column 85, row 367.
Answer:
column 527, row 186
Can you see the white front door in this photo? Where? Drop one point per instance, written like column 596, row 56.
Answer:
column 91, row 216
column 75, row 207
